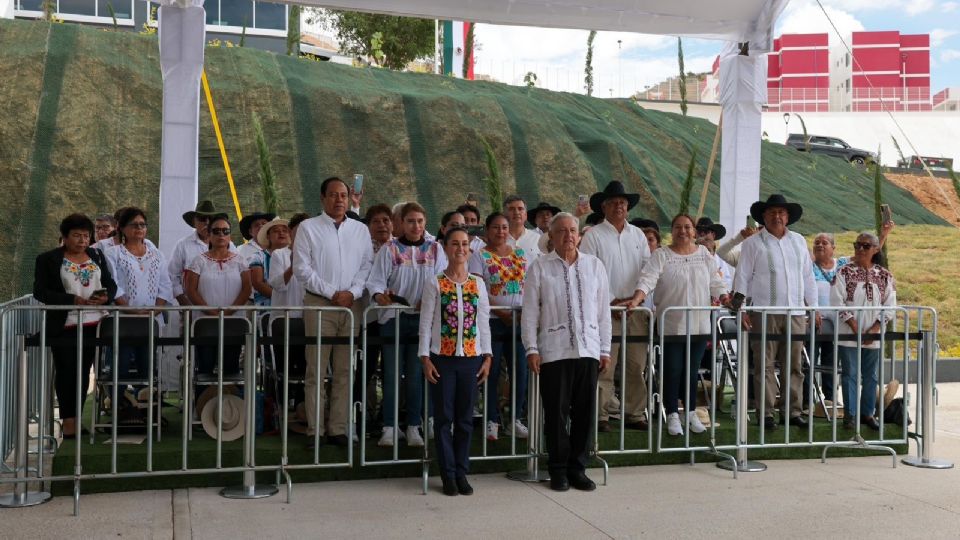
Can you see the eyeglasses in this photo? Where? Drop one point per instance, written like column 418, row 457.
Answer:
column 863, row 245
column 225, row 231
column 138, row 224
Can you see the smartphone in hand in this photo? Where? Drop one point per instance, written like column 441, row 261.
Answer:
column 357, row 183
column 886, row 215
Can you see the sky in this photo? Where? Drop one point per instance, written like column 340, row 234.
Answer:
column 507, row 53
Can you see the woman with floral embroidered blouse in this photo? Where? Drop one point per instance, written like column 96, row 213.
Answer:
column 503, row 268
column 455, row 352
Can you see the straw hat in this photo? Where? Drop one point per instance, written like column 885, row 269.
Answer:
column 210, row 393
column 890, row 393
column 234, row 415
column 262, row 236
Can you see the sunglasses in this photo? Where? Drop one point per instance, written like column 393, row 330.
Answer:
column 218, row 231
column 138, row 224
column 863, row 245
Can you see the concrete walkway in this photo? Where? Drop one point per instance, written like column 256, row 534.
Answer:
column 849, row 497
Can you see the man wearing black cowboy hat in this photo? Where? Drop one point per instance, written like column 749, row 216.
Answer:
column 249, row 229
column 539, row 216
column 623, row 250
column 708, row 235
column 191, row 245
column 775, row 269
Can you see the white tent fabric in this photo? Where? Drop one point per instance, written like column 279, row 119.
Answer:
column 743, row 85
column 182, row 36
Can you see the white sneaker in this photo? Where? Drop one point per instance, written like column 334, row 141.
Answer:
column 493, row 430
column 386, row 439
column 673, row 424
column 520, row 430
column 696, row 426
column 413, row 436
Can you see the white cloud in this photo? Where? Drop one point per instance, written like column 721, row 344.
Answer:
column 939, row 35
column 949, row 7
column 916, row 7
column 949, row 55
column 806, row 17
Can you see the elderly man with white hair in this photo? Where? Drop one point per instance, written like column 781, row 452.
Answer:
column 566, row 329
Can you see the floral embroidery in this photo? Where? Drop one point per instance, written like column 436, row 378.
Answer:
column 450, row 315
column 855, row 275
column 82, row 272
column 504, row 275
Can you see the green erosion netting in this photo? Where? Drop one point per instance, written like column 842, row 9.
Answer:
column 80, row 131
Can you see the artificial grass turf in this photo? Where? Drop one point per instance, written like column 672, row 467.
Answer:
column 167, row 456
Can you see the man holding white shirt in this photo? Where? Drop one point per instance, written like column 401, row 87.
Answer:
column 332, row 257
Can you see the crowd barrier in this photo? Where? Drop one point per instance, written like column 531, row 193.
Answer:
column 27, row 398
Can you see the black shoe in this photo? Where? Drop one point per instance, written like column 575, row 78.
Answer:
column 580, row 481
column 311, row 441
column 559, row 482
column 640, row 424
column 603, row 426
column 463, row 486
column 449, row 486
column 870, row 422
column 337, row 440
column 769, row 424
column 849, row 424
column 794, row 420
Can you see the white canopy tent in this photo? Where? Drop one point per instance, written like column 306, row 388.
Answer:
column 736, row 21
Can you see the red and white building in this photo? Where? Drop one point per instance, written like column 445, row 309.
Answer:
column 798, row 73
column 887, row 71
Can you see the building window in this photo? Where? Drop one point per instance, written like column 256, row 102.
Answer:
column 271, row 16
column 848, row 59
column 236, row 14
column 97, row 11
column 78, row 7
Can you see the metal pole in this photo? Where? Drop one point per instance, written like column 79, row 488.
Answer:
column 743, row 354
column 21, row 496
column 532, row 473
column 249, row 489
column 927, row 407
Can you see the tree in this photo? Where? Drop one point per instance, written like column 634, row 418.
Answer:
column 588, row 65
column 530, row 79
column 392, row 42
column 683, row 78
column 293, row 31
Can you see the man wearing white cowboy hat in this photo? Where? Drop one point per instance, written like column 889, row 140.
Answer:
column 775, row 269
column 191, row 245
column 623, row 250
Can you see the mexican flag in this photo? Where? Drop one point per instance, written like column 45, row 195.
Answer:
column 454, row 39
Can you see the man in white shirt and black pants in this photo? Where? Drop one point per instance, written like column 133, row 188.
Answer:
column 623, row 250
column 775, row 269
column 566, row 330
column 331, row 258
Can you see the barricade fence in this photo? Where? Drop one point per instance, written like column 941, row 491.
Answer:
column 271, row 337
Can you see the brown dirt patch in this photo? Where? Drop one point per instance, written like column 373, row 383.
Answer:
column 930, row 192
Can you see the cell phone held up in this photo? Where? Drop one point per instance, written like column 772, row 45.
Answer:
column 886, row 216
column 358, row 183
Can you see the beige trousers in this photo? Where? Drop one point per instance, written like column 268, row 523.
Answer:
column 332, row 324
column 777, row 353
column 634, row 386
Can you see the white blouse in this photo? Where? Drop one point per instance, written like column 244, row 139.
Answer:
column 855, row 286
column 454, row 317
column 403, row 268
column 81, row 280
column 141, row 280
column 219, row 281
column 566, row 308
column 285, row 293
column 682, row 280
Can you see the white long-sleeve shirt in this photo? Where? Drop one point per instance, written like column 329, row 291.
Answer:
column 776, row 271
column 184, row 253
column 328, row 258
column 403, row 269
column 855, row 286
column 454, row 317
column 729, row 251
column 566, row 308
column 682, row 280
column 142, row 280
column 285, row 293
column 622, row 253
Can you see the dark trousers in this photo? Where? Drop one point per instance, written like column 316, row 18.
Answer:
column 453, row 397
column 568, row 391
column 502, row 339
column 65, row 370
column 675, row 365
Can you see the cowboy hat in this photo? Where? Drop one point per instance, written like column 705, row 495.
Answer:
column 210, row 393
column 719, row 231
column 532, row 213
column 248, row 220
column 890, row 392
column 643, row 223
column 234, row 415
column 204, row 208
column 613, row 189
column 794, row 210
column 262, row 237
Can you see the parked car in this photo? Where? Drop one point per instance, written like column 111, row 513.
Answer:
column 933, row 163
column 831, row 146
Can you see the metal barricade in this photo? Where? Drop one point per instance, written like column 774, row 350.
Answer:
column 19, row 324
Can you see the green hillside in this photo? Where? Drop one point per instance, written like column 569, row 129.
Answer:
column 81, row 132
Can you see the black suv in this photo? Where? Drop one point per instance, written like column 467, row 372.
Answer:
column 831, row 146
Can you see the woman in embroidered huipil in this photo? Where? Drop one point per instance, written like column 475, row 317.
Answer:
column 455, row 352
column 862, row 283
column 503, row 269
